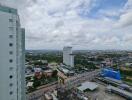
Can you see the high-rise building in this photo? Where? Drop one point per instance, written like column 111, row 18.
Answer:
column 12, row 47
column 68, row 57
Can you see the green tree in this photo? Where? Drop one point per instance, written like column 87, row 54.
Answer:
column 36, row 82
column 54, row 74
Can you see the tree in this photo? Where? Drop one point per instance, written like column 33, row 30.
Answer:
column 36, row 82
column 90, row 65
column 54, row 74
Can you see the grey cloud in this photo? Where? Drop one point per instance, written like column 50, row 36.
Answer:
column 125, row 20
column 55, row 23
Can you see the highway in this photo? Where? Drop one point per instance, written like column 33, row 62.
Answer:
column 80, row 78
column 36, row 95
column 70, row 82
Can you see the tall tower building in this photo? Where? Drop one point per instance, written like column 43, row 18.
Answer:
column 12, row 47
column 68, row 57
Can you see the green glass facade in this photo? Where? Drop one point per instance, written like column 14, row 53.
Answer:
column 8, row 9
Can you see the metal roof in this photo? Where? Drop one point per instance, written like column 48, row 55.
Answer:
column 29, row 84
column 88, row 85
column 113, row 80
column 121, row 92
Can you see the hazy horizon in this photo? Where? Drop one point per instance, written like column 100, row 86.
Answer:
column 77, row 50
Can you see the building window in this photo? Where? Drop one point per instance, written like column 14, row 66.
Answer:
column 10, row 20
column 10, row 36
column 10, row 52
column 11, row 92
column 10, row 44
column 10, row 60
column 11, row 68
column 10, row 76
column 17, row 23
column 11, row 84
column 11, row 28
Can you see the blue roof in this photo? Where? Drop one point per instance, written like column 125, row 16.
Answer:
column 108, row 72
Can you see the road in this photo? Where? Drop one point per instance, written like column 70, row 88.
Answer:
column 36, row 95
column 70, row 82
column 76, row 80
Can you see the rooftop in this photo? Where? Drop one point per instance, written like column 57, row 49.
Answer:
column 8, row 9
column 121, row 92
column 88, row 85
column 29, row 84
column 113, row 80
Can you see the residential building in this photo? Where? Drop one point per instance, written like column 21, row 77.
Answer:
column 68, row 57
column 12, row 48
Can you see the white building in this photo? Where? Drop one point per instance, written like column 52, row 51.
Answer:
column 68, row 57
column 12, row 47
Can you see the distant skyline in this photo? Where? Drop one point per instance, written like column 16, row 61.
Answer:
column 83, row 24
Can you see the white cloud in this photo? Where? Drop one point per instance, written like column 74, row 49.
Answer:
column 109, row 12
column 52, row 24
column 125, row 20
column 128, row 5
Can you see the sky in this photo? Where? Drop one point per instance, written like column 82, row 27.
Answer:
column 82, row 24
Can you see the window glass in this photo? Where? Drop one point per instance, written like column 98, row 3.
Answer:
column 10, row 52
column 10, row 60
column 10, row 44
column 11, row 76
column 10, row 36
column 11, row 92
column 10, row 20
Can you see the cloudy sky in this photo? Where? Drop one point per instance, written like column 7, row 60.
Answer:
column 83, row 24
